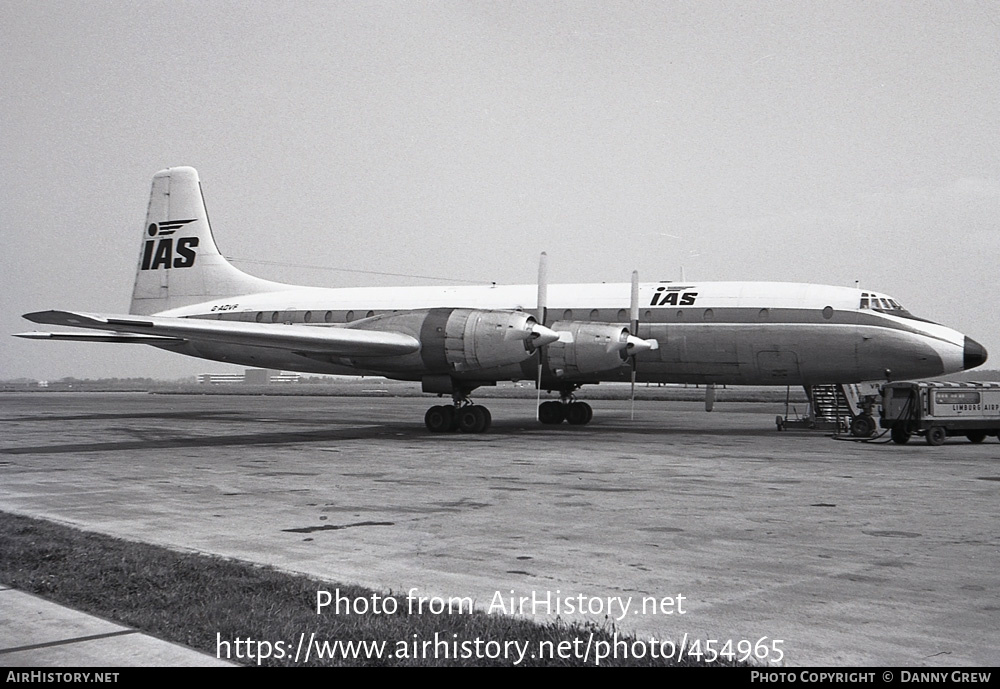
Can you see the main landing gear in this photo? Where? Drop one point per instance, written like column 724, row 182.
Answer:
column 466, row 417
column 462, row 416
column 566, row 409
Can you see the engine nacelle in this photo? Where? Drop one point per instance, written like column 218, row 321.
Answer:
column 460, row 340
column 480, row 339
column 591, row 348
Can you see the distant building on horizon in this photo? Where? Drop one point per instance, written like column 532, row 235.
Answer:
column 251, row 376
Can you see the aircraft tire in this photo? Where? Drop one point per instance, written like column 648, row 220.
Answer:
column 976, row 436
column 473, row 419
column 488, row 418
column 551, row 413
column 900, row 436
column 439, row 419
column 579, row 413
column 863, row 426
column 936, row 435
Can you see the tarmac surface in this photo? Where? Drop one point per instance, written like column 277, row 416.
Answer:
column 848, row 553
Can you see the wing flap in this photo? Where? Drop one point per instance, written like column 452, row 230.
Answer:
column 327, row 340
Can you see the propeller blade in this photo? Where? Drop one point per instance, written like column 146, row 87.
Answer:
column 632, row 392
column 543, row 287
column 633, row 309
column 634, row 347
column 542, row 306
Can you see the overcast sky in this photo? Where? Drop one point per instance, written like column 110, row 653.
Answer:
column 807, row 141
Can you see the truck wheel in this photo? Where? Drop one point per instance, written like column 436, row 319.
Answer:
column 862, row 426
column 900, row 436
column 976, row 436
column 936, row 435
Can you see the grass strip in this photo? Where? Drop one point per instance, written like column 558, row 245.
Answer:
column 196, row 599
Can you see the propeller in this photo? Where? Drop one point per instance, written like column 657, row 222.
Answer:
column 635, row 345
column 542, row 304
column 633, row 326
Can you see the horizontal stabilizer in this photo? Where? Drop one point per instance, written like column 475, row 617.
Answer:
column 327, row 340
column 125, row 338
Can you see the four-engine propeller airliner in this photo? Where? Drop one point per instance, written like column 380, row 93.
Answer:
column 189, row 299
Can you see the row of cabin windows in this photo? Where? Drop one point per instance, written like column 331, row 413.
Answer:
column 595, row 315
column 707, row 314
column 309, row 316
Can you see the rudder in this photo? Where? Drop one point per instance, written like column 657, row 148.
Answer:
column 179, row 262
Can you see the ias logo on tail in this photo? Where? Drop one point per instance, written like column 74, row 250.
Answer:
column 160, row 252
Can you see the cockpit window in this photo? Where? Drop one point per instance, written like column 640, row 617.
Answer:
column 875, row 302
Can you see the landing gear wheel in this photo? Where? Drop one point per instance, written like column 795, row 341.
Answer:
column 551, row 413
column 976, row 436
column 900, row 436
column 488, row 418
column 936, row 435
column 473, row 419
column 579, row 413
column 863, row 426
column 439, row 419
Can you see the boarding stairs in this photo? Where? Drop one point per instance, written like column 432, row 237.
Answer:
column 831, row 407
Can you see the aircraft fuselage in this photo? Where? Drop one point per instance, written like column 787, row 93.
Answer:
column 736, row 333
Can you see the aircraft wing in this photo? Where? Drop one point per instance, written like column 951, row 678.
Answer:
column 164, row 330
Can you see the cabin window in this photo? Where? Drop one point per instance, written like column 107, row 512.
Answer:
column 328, row 316
column 567, row 314
column 260, row 316
column 349, row 317
column 594, row 315
column 763, row 315
column 622, row 314
column 308, row 317
column 647, row 316
column 274, row 316
column 828, row 312
column 369, row 314
column 709, row 315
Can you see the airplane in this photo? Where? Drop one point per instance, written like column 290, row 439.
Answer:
column 189, row 299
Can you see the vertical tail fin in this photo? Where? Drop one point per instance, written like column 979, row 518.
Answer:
column 179, row 262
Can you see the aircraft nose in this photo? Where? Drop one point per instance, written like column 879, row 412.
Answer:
column 974, row 354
